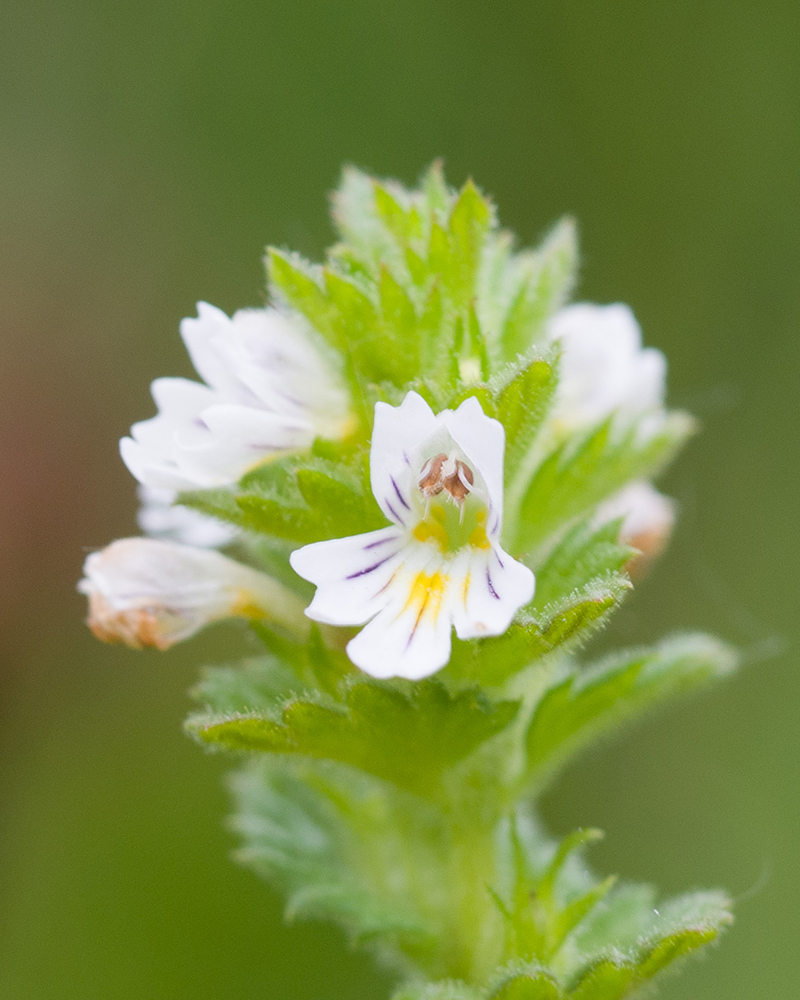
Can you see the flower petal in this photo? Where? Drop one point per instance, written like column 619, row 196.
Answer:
column 411, row 637
column 397, row 435
column 604, row 368
column 352, row 575
column 206, row 339
column 483, row 440
column 491, row 590
column 238, row 438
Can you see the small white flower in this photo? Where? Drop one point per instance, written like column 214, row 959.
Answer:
column 145, row 592
column 439, row 479
column 604, row 368
column 267, row 391
column 648, row 518
column 160, row 517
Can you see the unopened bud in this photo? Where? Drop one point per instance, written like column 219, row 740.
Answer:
column 148, row 593
column 648, row 519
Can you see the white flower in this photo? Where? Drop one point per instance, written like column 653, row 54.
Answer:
column 439, row 479
column 648, row 518
column 160, row 517
column 144, row 592
column 604, row 368
column 267, row 391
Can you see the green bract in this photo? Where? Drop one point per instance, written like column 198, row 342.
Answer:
column 403, row 810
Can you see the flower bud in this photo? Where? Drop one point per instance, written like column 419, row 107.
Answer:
column 648, row 518
column 148, row 593
column 604, row 368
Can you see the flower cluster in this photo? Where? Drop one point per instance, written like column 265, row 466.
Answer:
column 438, row 478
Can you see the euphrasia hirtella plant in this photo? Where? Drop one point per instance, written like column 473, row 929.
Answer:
column 433, row 479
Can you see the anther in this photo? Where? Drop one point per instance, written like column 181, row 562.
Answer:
column 459, row 483
column 430, row 479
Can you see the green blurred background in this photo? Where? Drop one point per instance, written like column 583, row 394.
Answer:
column 149, row 152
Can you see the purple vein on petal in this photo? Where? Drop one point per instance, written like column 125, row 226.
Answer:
column 394, row 513
column 490, row 585
column 380, row 541
column 400, row 496
column 370, row 569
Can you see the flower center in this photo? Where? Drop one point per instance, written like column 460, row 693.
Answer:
column 448, row 474
column 454, row 514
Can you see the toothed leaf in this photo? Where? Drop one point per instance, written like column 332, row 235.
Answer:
column 547, row 279
column 574, row 479
column 409, row 740
column 590, row 703
column 561, row 625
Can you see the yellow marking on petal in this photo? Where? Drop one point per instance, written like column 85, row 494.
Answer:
column 478, row 538
column 465, row 588
column 427, row 591
column 245, row 607
column 432, row 531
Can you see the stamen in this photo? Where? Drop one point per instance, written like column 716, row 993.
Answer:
column 459, row 483
column 430, row 479
column 446, row 473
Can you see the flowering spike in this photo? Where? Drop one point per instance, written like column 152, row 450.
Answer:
column 400, row 809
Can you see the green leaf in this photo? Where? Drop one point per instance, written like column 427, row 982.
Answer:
column 409, row 740
column 255, row 684
column 438, row 991
column 438, row 196
column 314, row 663
column 399, row 326
column 439, row 255
column 562, row 625
column 533, row 986
column 553, row 918
column 403, row 223
column 626, row 915
column 522, row 405
column 432, row 333
column 216, row 503
column 545, row 910
column 297, row 283
column 339, row 507
column 308, row 502
column 273, row 517
column 469, row 222
column 572, row 479
column 547, row 279
column 355, row 319
column 368, row 240
column 295, row 838
column 589, row 704
column 271, row 555
column 683, row 926
column 583, row 554
column 608, row 980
